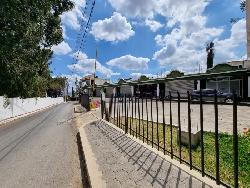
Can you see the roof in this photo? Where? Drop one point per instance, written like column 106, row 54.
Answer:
column 199, row 76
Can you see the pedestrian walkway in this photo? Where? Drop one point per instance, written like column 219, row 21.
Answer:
column 124, row 162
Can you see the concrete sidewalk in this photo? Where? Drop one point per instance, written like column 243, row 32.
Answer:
column 118, row 160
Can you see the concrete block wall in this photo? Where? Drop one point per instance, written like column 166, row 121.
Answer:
column 11, row 107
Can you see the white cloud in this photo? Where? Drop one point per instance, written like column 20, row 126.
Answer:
column 73, row 18
column 184, row 47
column 129, row 62
column 115, row 28
column 225, row 49
column 61, row 49
column 180, row 11
column 85, row 65
column 153, row 25
column 134, row 8
column 137, row 75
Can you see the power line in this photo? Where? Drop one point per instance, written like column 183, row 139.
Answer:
column 82, row 37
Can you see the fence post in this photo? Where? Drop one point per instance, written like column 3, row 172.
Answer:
column 125, row 109
column 202, row 140
column 136, row 134
column 114, row 107
column 110, row 108
column 216, row 139
column 132, row 106
column 235, row 142
column 189, row 132
column 147, row 116
column 139, row 116
column 164, row 127
column 102, row 105
column 179, row 123
column 152, row 127
column 157, row 123
column 142, row 118
column 171, row 124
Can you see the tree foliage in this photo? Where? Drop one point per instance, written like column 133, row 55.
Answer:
column 56, row 86
column 175, row 74
column 243, row 5
column 243, row 9
column 28, row 29
column 143, row 78
column 210, row 55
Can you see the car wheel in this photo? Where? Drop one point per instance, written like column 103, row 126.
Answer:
column 229, row 100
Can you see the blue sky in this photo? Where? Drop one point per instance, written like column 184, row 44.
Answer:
column 150, row 37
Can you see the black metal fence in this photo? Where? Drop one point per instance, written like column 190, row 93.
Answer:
column 144, row 118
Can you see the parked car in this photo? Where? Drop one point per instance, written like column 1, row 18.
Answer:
column 208, row 95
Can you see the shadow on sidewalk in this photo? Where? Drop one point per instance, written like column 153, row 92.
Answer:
column 155, row 169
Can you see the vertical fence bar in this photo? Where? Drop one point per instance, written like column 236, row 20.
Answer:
column 202, row 137
column 152, row 127
column 125, row 114
column 189, row 132
column 164, row 126
column 122, row 115
column 110, row 108
column 119, row 110
column 117, row 113
column 139, row 116
column 142, row 119
column 102, row 106
column 132, row 116
column 171, row 124
column 157, row 123
column 114, row 108
column 179, row 123
column 235, row 142
column 136, row 132
column 147, row 116
column 216, row 139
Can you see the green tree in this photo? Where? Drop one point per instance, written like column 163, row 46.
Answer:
column 210, row 55
column 143, row 78
column 174, row 74
column 56, row 86
column 28, row 29
column 243, row 9
column 243, row 5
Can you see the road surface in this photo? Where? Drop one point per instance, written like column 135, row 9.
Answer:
column 40, row 150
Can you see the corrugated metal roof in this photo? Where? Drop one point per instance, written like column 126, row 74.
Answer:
column 185, row 77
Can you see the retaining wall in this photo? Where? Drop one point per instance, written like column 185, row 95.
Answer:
column 11, row 107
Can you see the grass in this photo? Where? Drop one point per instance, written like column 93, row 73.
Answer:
column 225, row 150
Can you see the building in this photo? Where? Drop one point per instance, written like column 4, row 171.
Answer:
column 91, row 83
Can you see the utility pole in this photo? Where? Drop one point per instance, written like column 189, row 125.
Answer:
column 96, row 56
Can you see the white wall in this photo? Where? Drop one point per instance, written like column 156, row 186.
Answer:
column 15, row 106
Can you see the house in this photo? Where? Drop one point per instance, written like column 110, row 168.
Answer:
column 90, row 82
column 227, row 77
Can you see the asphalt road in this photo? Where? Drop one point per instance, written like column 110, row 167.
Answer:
column 40, row 150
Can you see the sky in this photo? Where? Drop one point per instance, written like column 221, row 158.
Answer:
column 147, row 37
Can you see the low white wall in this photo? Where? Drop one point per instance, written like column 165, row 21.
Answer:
column 12, row 107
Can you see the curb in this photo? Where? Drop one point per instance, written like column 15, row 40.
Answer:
column 94, row 175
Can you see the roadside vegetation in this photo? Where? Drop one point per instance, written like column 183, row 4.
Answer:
column 28, row 31
column 225, row 150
